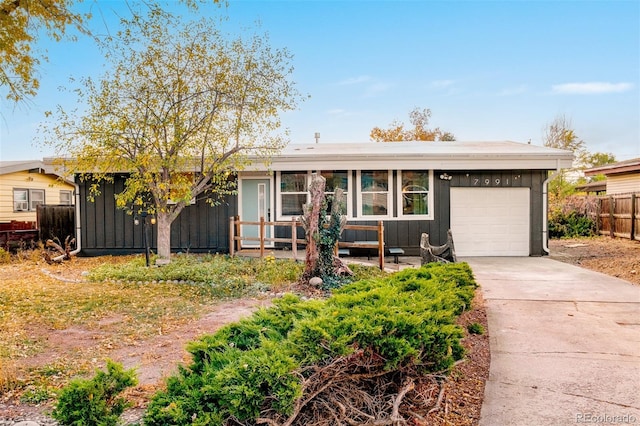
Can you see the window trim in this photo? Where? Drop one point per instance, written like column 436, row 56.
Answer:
column 389, row 214
column 399, row 195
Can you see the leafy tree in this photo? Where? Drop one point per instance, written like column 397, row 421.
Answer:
column 420, row 132
column 561, row 135
column 180, row 109
column 20, row 21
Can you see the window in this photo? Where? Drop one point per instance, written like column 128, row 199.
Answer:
column 65, row 198
column 374, row 193
column 36, row 197
column 21, row 200
column 293, row 192
column 414, row 197
column 337, row 179
column 25, row 200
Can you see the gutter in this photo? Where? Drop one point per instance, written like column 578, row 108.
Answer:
column 545, row 208
column 78, row 226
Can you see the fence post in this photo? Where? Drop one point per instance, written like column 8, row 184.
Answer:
column 612, row 220
column 232, row 240
column 238, row 237
column 261, row 237
column 294, row 239
column 381, row 244
column 633, row 217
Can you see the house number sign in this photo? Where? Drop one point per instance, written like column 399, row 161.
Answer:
column 484, row 180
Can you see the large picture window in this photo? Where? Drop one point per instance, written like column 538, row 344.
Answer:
column 374, row 193
column 414, row 195
column 293, row 192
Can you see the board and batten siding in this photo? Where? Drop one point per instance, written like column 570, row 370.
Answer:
column 623, row 184
column 200, row 228
column 406, row 234
column 27, row 180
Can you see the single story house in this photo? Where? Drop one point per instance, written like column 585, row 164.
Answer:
column 622, row 177
column 492, row 195
column 26, row 184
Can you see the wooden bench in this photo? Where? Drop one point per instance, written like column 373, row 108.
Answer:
column 395, row 252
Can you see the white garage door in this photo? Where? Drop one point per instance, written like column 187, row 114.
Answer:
column 490, row 221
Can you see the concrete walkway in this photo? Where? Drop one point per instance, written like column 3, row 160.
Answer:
column 565, row 344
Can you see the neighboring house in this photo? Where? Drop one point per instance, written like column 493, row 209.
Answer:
column 491, row 194
column 622, row 177
column 26, row 184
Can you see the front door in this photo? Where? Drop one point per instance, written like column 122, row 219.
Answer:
column 255, row 198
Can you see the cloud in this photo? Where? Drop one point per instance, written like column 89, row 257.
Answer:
column 591, row 88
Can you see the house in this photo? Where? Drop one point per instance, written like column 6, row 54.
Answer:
column 26, row 184
column 622, row 177
column 492, row 195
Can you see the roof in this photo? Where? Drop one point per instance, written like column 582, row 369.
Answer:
column 7, row 167
column 599, row 186
column 627, row 166
column 456, row 155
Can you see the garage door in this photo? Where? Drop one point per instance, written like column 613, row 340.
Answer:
column 490, row 221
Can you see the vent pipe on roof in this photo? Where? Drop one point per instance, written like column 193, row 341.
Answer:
column 317, row 136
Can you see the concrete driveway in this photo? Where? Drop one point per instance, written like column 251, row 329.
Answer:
column 565, row 344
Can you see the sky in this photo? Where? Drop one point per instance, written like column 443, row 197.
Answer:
column 487, row 70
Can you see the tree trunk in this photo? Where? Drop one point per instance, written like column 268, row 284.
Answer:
column 310, row 223
column 164, row 237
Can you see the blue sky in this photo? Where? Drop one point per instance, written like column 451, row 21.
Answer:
column 488, row 70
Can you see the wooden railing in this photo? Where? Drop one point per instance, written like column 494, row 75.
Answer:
column 619, row 216
column 236, row 238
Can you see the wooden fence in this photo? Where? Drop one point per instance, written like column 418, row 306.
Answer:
column 619, row 216
column 56, row 221
column 236, row 238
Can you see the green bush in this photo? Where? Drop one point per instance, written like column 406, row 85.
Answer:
column 257, row 365
column 95, row 402
column 475, row 328
column 570, row 225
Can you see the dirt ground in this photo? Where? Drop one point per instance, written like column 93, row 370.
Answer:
column 617, row 257
column 158, row 357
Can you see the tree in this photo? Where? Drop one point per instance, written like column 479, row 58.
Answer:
column 560, row 134
column 420, row 132
column 181, row 109
column 20, row 21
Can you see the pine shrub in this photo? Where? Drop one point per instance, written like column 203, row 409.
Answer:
column 95, row 402
column 258, row 367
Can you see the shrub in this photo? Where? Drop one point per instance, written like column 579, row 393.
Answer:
column 95, row 402
column 261, row 366
column 475, row 328
column 570, row 225
column 5, row 256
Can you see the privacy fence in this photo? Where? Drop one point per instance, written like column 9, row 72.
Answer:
column 619, row 216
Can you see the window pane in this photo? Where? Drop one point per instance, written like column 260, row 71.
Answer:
column 335, row 180
column 417, row 181
column 372, row 181
column 20, row 195
column 37, row 198
column 293, row 182
column 65, row 197
column 374, row 204
column 415, row 203
column 292, row 204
